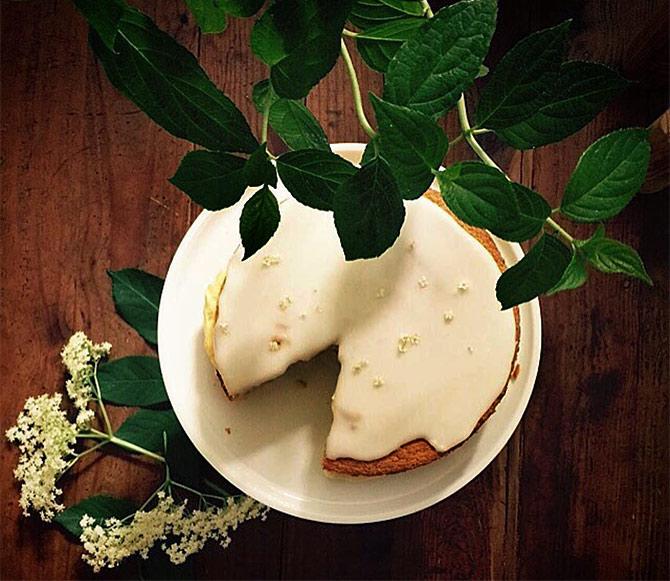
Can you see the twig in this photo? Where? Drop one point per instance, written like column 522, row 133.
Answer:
column 356, row 90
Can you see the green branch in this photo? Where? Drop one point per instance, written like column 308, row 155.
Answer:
column 456, row 140
column 562, row 233
column 469, row 135
column 427, row 10
column 101, row 405
column 265, row 122
column 356, row 90
column 121, row 443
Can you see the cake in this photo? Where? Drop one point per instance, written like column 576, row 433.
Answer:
column 426, row 352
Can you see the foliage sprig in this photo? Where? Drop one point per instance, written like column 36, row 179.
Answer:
column 429, row 61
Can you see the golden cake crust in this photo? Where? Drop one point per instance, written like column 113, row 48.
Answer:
column 420, row 452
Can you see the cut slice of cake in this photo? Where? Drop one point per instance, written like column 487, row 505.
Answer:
column 426, row 352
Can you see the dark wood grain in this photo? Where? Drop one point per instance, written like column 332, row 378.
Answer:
column 581, row 490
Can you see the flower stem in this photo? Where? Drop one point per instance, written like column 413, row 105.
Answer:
column 121, row 443
column 204, row 495
column 356, row 90
column 93, row 435
column 184, row 487
column 147, row 501
column 79, row 456
column 101, row 405
column 109, row 437
column 92, row 449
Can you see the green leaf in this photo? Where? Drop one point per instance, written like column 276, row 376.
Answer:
column 432, row 69
column 145, row 428
column 536, row 273
column 369, row 211
column 521, row 83
column 164, row 80
column 313, row 176
column 379, row 44
column 412, row 144
column 613, row 257
column 300, row 41
column 259, row 170
column 296, row 126
column 212, row 180
column 263, row 96
column 580, row 93
column 132, row 381
column 209, row 14
column 411, row 7
column 259, row 221
column 607, row 176
column 479, row 195
column 575, row 275
column 241, row 8
column 533, row 212
column 103, row 16
column 185, row 462
column 137, row 295
column 370, row 13
column 218, row 180
column 99, row 507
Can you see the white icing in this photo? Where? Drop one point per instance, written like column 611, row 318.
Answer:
column 437, row 388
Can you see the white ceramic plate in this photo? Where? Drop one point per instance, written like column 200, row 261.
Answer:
column 270, row 443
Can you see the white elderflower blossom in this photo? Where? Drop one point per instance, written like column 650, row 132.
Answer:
column 407, row 341
column 214, row 522
column 107, row 545
column 45, row 438
column 79, row 356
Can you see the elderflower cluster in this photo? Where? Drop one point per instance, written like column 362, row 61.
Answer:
column 45, row 438
column 181, row 533
column 79, row 356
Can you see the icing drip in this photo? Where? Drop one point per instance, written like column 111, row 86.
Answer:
column 410, row 368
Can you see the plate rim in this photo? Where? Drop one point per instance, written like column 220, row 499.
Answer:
column 535, row 323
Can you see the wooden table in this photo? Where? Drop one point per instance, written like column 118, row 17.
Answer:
column 581, row 490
